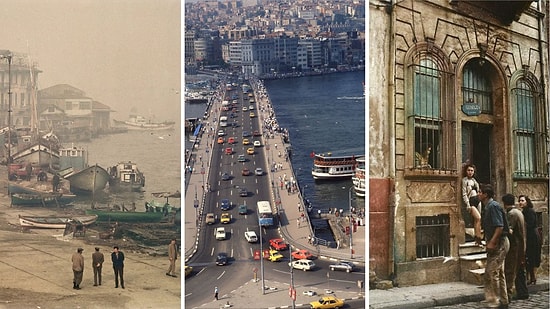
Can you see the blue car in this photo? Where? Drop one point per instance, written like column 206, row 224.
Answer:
column 224, row 204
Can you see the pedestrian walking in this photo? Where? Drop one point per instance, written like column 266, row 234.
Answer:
column 172, row 256
column 78, row 268
column 495, row 227
column 216, row 293
column 117, row 257
column 298, row 222
column 533, row 239
column 97, row 264
column 515, row 259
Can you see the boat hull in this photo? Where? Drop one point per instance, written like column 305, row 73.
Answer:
column 127, row 216
column 41, row 200
column 54, row 222
column 145, row 126
column 37, row 155
column 89, row 180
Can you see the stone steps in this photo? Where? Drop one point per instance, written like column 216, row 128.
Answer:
column 472, row 263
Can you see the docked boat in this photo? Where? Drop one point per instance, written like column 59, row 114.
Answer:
column 126, row 216
column 55, row 222
column 359, row 177
column 327, row 166
column 86, row 181
column 42, row 199
column 37, row 154
column 137, row 122
column 125, row 176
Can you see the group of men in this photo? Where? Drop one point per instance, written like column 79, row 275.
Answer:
column 117, row 257
column 504, row 233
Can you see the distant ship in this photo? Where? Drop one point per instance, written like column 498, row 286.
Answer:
column 136, row 122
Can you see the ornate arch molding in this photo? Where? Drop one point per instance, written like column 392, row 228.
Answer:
column 424, row 49
column 528, row 76
column 498, row 69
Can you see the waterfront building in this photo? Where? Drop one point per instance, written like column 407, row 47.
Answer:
column 454, row 82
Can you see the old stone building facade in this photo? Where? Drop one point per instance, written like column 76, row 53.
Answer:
column 455, row 82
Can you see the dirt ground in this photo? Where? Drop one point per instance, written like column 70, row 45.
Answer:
column 35, row 265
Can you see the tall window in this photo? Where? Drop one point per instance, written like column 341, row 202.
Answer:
column 530, row 137
column 432, row 236
column 427, row 118
column 476, row 87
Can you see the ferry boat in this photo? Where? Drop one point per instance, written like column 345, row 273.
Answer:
column 137, row 122
column 359, row 177
column 327, row 166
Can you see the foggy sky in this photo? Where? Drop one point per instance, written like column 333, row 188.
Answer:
column 122, row 53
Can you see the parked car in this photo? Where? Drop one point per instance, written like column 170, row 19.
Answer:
column 327, row 302
column 243, row 210
column 343, row 266
column 225, row 176
column 245, row 172
column 225, row 204
column 220, row 233
column 302, row 264
column 210, row 218
column 243, row 192
column 221, row 259
column 277, row 244
column 250, row 236
column 225, row 218
column 302, row 254
column 259, row 171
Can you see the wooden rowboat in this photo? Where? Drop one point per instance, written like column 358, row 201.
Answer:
column 55, row 222
column 126, row 216
column 41, row 200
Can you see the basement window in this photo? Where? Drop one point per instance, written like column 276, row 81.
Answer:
column 432, row 236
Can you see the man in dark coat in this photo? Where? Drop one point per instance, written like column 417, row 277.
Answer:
column 117, row 257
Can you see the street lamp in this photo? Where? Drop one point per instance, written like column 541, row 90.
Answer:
column 261, row 258
column 8, row 55
column 292, row 290
column 350, row 223
column 196, row 205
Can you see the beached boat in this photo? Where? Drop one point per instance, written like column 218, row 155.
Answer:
column 125, row 176
column 359, row 177
column 38, row 155
column 55, row 222
column 42, row 199
column 327, row 166
column 87, row 181
column 136, row 122
column 126, row 216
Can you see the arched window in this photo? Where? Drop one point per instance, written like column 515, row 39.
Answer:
column 476, row 87
column 530, row 137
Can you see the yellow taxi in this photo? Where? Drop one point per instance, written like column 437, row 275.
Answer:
column 275, row 256
column 188, row 270
column 250, row 151
column 252, row 115
column 246, row 141
column 225, row 218
column 327, row 302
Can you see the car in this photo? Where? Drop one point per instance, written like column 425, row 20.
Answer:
column 258, row 171
column 309, row 293
column 250, row 94
column 221, row 259
column 256, row 133
column 257, row 144
column 302, row 254
column 250, row 151
column 225, row 218
column 226, row 176
column 246, row 141
column 252, row 115
column 343, row 266
column 251, row 107
column 243, row 210
column 234, row 124
column 210, row 218
column 231, row 140
column 243, row 192
column 228, row 151
column 245, row 108
column 302, row 264
column 274, row 256
column 245, row 172
column 220, row 140
column 246, row 134
column 327, row 302
column 277, row 244
column 225, row 204
column 232, row 115
column 220, row 233
column 250, row 236
column 221, row 133
column 241, row 158
column 188, row 270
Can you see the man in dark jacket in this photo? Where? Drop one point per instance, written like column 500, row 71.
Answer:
column 118, row 266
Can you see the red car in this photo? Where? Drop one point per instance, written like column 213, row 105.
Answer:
column 277, row 244
column 302, row 254
column 231, row 140
column 245, row 172
column 256, row 133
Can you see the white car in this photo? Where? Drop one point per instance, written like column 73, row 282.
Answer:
column 257, row 144
column 302, row 264
column 220, row 233
column 245, row 108
column 221, row 133
column 251, row 107
column 309, row 293
column 258, row 171
column 250, row 236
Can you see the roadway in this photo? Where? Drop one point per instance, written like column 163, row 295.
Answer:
column 201, row 252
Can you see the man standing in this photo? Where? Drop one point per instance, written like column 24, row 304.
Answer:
column 78, row 268
column 216, row 293
column 117, row 257
column 515, row 259
column 497, row 248
column 55, row 182
column 172, row 256
column 97, row 264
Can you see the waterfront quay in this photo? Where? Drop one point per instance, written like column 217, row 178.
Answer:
column 289, row 209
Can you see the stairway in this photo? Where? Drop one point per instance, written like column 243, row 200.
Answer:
column 472, row 262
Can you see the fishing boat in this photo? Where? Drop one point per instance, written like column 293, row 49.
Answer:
column 36, row 154
column 125, row 176
column 42, row 199
column 87, row 181
column 54, row 222
column 137, row 122
column 359, row 177
column 327, row 166
column 126, row 216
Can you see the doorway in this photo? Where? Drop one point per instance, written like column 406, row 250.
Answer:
column 476, row 149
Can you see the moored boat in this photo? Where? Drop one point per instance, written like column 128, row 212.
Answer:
column 54, row 222
column 87, row 181
column 126, row 216
column 42, row 199
column 136, row 122
column 125, row 176
column 332, row 167
column 359, row 177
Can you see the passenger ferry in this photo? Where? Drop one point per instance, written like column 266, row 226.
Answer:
column 359, row 177
column 330, row 167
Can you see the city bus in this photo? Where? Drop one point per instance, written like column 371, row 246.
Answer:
column 265, row 213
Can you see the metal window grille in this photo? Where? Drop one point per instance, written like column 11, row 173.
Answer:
column 476, row 87
column 530, row 138
column 432, row 236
